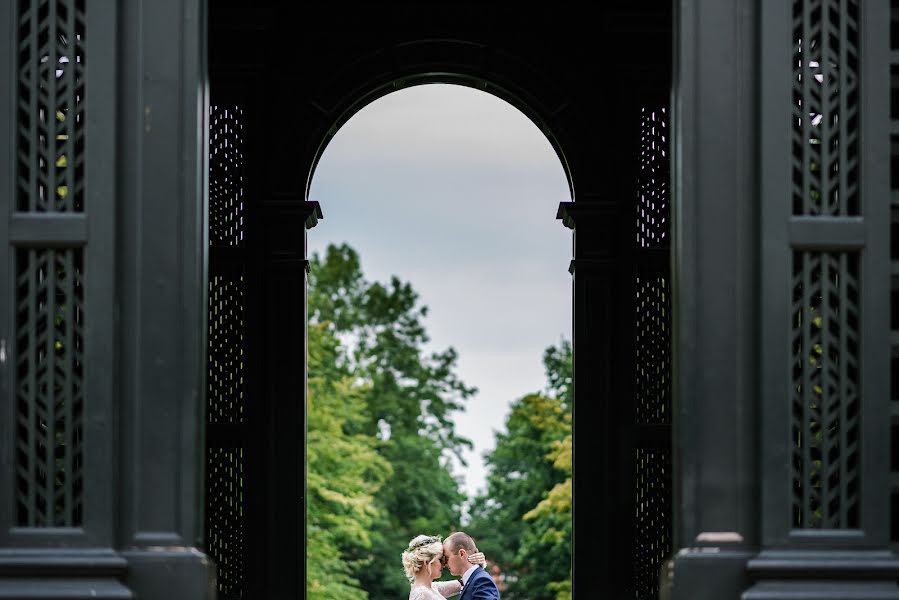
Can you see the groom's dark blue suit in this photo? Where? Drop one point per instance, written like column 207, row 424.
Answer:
column 480, row 586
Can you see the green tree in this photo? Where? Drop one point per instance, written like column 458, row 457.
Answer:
column 549, row 536
column 408, row 398
column 528, row 495
column 344, row 472
column 557, row 362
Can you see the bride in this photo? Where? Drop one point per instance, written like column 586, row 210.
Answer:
column 423, row 561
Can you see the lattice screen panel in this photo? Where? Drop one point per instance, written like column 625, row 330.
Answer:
column 653, row 218
column 653, row 518
column 825, row 107
column 652, row 386
column 50, row 98
column 49, row 350
column 226, row 402
column 225, row 518
column 225, row 394
column 826, row 403
column 894, row 246
column 226, row 175
column 653, row 389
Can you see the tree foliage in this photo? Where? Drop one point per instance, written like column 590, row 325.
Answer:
column 528, row 495
column 344, row 472
column 380, row 436
column 397, row 397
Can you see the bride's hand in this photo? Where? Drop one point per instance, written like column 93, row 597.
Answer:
column 477, row 559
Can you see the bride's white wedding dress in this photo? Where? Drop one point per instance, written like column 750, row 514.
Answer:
column 439, row 590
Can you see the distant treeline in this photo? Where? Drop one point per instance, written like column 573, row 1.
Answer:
column 379, row 436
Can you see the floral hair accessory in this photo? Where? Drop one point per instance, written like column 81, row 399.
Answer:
column 426, row 541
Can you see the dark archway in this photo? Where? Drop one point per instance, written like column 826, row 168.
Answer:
column 278, row 93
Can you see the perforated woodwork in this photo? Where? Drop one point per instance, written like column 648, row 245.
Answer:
column 653, row 345
column 826, row 403
column 825, row 107
column 226, row 403
column 226, row 175
column 49, row 296
column 653, row 518
column 51, row 109
column 226, row 541
column 653, row 206
column 652, row 330
column 225, row 382
column 49, row 348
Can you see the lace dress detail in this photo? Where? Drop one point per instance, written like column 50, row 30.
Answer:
column 439, row 591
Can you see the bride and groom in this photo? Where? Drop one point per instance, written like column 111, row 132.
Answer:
column 426, row 557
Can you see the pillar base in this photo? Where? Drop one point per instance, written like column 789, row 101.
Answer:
column 824, row 575
column 171, row 573
column 709, row 574
column 62, row 574
column 823, row 590
column 63, row 588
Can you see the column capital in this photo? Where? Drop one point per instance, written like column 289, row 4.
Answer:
column 572, row 212
column 313, row 212
column 284, row 203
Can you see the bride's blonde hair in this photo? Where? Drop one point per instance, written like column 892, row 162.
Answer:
column 422, row 550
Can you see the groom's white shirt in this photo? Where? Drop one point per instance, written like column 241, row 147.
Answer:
column 467, row 574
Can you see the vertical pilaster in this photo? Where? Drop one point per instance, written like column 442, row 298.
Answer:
column 161, row 263
column 283, row 323
column 603, row 423
column 714, row 301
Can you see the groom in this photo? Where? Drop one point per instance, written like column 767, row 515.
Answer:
column 476, row 582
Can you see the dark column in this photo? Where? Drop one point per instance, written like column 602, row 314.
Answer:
column 283, row 324
column 603, row 423
column 715, row 297
column 161, row 265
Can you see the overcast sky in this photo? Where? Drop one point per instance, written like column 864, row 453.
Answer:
column 456, row 191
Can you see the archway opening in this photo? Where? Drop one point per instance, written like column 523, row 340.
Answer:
column 440, row 311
